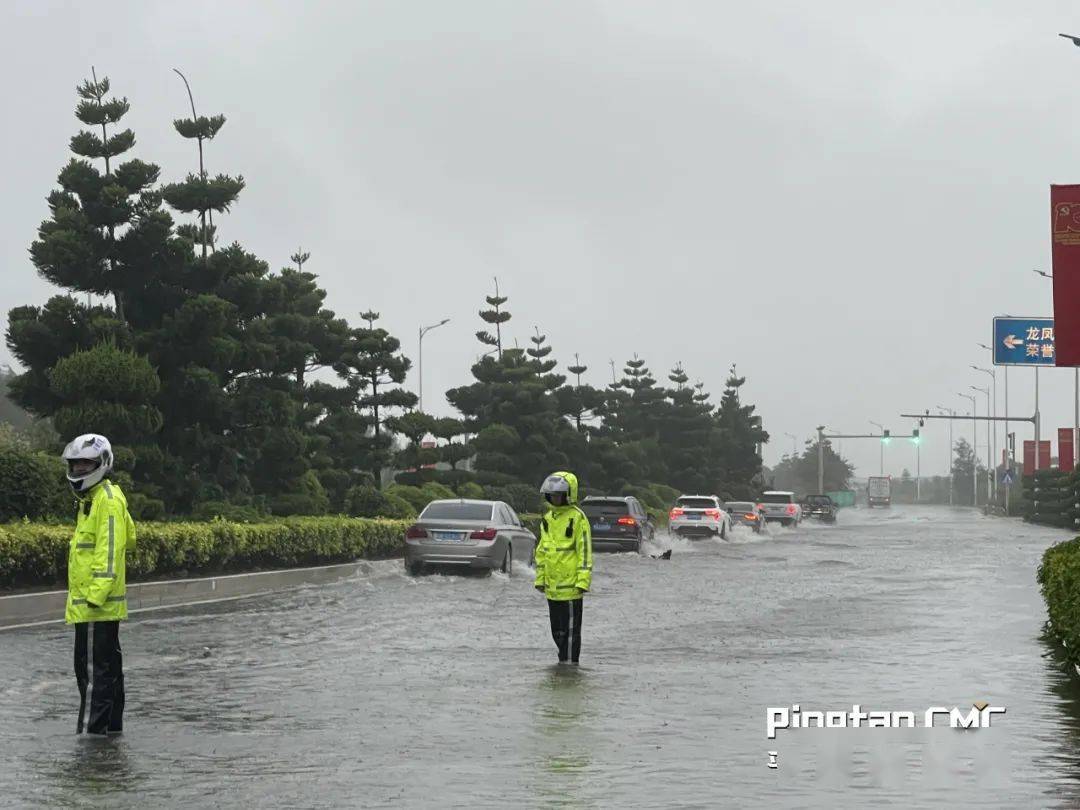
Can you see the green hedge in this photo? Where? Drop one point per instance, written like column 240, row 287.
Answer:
column 36, row 553
column 1059, row 578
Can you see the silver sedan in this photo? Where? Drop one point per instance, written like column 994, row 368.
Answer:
column 467, row 534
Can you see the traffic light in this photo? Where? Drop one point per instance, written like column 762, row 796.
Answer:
column 885, row 437
column 915, row 435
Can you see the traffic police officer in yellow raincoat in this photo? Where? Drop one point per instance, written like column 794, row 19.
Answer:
column 564, row 562
column 97, row 591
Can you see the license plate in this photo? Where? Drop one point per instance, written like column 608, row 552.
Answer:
column 446, row 536
column 603, row 527
column 693, row 517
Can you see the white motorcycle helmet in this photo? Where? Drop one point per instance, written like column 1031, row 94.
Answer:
column 88, row 447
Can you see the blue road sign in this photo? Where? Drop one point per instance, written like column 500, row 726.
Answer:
column 1023, row 341
column 1007, row 478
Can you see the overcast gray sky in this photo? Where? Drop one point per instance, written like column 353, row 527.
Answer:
column 837, row 196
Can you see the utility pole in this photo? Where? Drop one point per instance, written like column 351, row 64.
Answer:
column 821, row 460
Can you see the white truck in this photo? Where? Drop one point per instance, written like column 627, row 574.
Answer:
column 879, row 491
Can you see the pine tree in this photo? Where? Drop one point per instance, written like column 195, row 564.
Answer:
column 78, row 248
column 497, row 316
column 375, row 368
column 581, row 403
column 678, row 376
column 199, row 193
column 539, row 353
column 739, row 438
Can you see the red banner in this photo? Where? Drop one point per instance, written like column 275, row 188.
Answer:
column 1065, row 449
column 1044, row 454
column 1065, row 244
column 1029, row 457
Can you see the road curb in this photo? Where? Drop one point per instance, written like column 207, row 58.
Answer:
column 47, row 607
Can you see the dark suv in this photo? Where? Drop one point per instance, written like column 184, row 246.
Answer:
column 618, row 523
column 820, row 507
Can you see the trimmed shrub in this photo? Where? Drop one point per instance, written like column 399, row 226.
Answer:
column 399, row 508
column 143, row 508
column 524, row 498
column 470, row 489
column 36, row 553
column 367, row 501
column 309, row 499
column 1059, row 579
column 32, row 485
column 648, row 498
column 415, row 496
column 223, row 510
column 336, row 484
column 437, row 492
column 667, row 495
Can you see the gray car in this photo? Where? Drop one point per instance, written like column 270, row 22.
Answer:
column 746, row 513
column 467, row 534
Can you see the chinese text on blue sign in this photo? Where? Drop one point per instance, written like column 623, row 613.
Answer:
column 1023, row 341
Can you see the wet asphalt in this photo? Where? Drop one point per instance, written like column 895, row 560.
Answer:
column 443, row 691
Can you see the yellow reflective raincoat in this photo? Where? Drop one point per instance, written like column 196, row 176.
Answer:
column 104, row 531
column 564, row 557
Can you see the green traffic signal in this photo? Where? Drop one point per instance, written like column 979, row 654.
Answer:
column 915, row 436
column 885, row 437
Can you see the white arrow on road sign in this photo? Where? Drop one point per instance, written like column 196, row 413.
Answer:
column 1007, row 478
column 1012, row 341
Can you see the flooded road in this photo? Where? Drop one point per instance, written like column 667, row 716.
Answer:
column 442, row 691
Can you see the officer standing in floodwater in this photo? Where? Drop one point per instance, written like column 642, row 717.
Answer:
column 564, row 562
column 97, row 581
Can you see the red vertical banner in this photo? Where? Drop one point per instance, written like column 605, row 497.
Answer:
column 1029, row 457
column 1065, row 449
column 1044, row 454
column 1065, row 248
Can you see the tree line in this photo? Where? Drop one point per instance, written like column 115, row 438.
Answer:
column 223, row 382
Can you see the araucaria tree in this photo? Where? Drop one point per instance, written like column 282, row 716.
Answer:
column 206, row 354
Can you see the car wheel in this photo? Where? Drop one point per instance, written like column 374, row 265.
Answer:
column 413, row 569
column 723, row 531
column 508, row 561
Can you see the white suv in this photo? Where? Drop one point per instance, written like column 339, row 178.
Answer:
column 699, row 515
column 781, row 505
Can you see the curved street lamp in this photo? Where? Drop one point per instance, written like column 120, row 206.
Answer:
column 420, row 357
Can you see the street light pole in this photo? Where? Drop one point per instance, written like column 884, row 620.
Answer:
column 420, row 357
column 880, row 427
column 988, row 431
column 974, row 450
column 993, row 429
column 950, row 412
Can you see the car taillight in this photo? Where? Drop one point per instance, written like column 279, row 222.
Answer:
column 713, row 513
column 791, row 509
column 674, row 513
column 483, row 534
column 415, row 532
column 627, row 521
column 751, row 516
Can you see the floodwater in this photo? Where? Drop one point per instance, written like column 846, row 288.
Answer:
column 443, row 691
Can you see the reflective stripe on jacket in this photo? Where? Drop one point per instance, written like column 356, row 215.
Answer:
column 564, row 552
column 97, row 570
